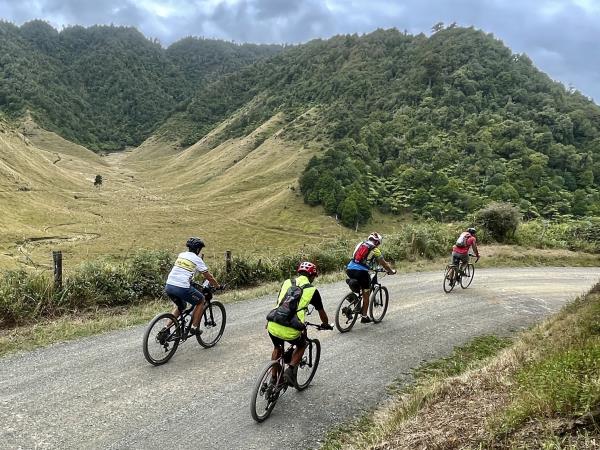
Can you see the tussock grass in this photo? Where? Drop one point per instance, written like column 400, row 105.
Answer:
column 541, row 392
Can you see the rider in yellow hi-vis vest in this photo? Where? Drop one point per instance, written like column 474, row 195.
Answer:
column 307, row 272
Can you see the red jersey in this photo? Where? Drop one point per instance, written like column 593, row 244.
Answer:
column 465, row 250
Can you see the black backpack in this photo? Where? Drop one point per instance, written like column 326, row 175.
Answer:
column 285, row 312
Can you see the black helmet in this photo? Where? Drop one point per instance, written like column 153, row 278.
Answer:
column 472, row 231
column 194, row 244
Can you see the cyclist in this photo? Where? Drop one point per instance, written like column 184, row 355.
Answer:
column 179, row 282
column 365, row 255
column 278, row 333
column 460, row 251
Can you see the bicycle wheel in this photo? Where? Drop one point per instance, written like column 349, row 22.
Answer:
column 264, row 394
column 212, row 325
column 347, row 312
column 308, row 364
column 379, row 303
column 449, row 279
column 160, row 345
column 467, row 278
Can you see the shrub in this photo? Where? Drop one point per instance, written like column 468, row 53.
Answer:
column 500, row 220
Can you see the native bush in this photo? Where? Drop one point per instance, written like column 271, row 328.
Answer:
column 500, row 220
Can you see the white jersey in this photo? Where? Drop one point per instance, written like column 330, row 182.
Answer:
column 187, row 265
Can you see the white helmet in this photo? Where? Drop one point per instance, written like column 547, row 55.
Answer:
column 376, row 238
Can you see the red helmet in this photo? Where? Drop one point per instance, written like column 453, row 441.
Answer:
column 309, row 268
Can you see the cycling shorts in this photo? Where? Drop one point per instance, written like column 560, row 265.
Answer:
column 362, row 276
column 181, row 295
column 457, row 258
column 299, row 342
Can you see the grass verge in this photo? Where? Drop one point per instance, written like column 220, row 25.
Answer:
column 543, row 391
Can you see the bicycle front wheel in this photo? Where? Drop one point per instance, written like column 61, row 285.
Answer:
column 347, row 312
column 212, row 325
column 161, row 339
column 449, row 279
column 265, row 393
column 379, row 303
column 467, row 278
column 308, row 364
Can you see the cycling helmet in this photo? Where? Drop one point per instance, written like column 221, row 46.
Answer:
column 376, row 238
column 472, row 231
column 194, row 244
column 308, row 268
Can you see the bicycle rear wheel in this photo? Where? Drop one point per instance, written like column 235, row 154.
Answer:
column 467, row 278
column 308, row 364
column 449, row 279
column 265, row 393
column 379, row 303
column 347, row 312
column 160, row 342
column 212, row 325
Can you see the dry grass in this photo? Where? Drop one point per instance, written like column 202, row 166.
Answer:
column 238, row 196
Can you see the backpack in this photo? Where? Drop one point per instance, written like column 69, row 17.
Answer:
column 462, row 239
column 362, row 252
column 285, row 312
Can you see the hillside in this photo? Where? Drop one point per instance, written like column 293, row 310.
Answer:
column 107, row 87
column 437, row 126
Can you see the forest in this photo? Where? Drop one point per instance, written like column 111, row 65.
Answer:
column 433, row 126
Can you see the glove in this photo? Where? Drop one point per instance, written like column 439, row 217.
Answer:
column 391, row 272
column 326, row 326
column 221, row 287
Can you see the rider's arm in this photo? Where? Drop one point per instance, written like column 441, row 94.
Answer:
column 386, row 265
column 208, row 276
column 317, row 302
column 475, row 249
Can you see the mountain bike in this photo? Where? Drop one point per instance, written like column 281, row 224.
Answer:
column 462, row 274
column 351, row 305
column 165, row 332
column 271, row 385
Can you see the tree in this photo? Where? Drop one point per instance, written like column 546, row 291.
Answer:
column 98, row 181
column 500, row 220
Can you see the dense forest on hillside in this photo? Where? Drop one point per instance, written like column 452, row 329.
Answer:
column 437, row 126
column 107, row 87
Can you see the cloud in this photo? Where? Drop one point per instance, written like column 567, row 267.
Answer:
column 561, row 37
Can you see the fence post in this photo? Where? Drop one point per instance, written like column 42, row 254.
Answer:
column 228, row 261
column 57, row 258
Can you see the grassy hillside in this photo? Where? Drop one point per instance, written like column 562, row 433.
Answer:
column 238, row 195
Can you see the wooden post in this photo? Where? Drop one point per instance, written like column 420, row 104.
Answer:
column 57, row 258
column 228, row 261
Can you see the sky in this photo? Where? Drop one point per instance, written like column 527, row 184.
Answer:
column 562, row 37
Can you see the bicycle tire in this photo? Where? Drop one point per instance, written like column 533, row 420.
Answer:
column 469, row 274
column 308, row 364
column 449, row 279
column 379, row 298
column 260, row 414
column 151, row 339
column 343, row 321
column 212, row 325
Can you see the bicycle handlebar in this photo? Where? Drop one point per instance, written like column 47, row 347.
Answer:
column 320, row 326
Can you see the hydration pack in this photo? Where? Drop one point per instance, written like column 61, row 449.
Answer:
column 462, row 239
column 285, row 311
column 362, row 252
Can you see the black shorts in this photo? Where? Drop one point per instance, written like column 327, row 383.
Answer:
column 362, row 276
column 278, row 342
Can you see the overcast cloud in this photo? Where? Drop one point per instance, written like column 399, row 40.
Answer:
column 562, row 37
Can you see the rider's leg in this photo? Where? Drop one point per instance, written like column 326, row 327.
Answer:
column 197, row 299
column 365, row 302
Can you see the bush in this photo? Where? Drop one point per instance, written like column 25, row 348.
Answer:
column 499, row 220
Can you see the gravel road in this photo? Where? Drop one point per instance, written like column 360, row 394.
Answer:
column 99, row 392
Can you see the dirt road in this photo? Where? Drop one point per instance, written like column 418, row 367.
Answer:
column 99, row 392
